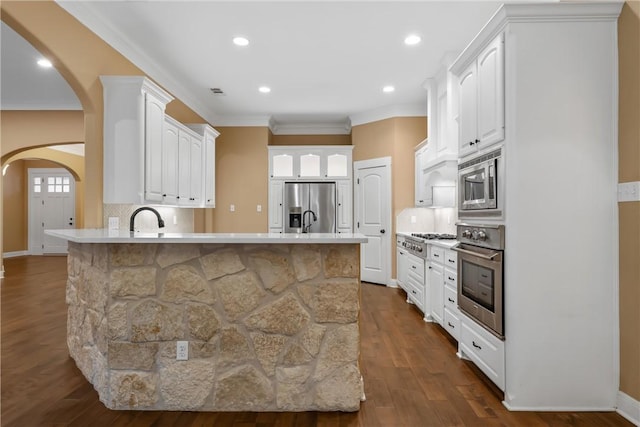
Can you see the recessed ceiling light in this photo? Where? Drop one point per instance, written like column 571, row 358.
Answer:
column 241, row 41
column 412, row 39
column 388, row 89
column 264, row 89
column 45, row 63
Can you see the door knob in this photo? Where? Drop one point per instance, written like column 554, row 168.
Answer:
column 382, row 231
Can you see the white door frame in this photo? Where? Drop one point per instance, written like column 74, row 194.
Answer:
column 387, row 237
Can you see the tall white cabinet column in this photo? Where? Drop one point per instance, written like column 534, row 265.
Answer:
column 560, row 156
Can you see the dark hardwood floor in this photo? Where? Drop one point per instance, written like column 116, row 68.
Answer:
column 412, row 375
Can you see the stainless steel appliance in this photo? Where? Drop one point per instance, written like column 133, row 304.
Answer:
column 480, row 186
column 414, row 245
column 310, row 207
column 480, row 274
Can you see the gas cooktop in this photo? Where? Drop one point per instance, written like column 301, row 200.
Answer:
column 434, row 236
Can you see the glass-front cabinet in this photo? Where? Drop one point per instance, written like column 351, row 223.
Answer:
column 310, row 162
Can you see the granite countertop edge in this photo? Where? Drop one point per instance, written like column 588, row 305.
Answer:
column 101, row 235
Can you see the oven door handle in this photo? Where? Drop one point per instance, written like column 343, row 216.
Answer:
column 479, row 255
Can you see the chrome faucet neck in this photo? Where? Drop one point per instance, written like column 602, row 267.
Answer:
column 145, row 208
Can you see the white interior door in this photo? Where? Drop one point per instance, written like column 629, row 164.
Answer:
column 373, row 218
column 51, row 206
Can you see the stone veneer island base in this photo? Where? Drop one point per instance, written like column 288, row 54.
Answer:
column 271, row 327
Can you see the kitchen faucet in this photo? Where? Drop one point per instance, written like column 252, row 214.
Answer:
column 145, row 208
column 305, row 228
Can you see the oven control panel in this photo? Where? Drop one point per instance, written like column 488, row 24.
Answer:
column 486, row 236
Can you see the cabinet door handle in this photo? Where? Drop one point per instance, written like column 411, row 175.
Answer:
column 451, row 261
column 477, row 141
column 450, row 300
column 451, row 325
column 414, row 267
column 430, row 267
column 471, row 142
column 450, row 278
column 436, row 255
column 476, row 345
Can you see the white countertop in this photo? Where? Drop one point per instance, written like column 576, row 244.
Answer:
column 101, row 235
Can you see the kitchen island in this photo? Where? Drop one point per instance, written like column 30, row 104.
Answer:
column 270, row 320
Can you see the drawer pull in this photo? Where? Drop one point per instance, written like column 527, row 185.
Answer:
column 436, row 255
column 413, row 292
column 413, row 266
column 450, row 325
column 451, row 261
column 476, row 345
column 450, row 300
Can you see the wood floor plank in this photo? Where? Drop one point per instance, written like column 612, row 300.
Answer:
column 412, row 376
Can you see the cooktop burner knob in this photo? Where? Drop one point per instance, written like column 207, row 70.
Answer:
column 419, row 248
column 466, row 234
column 474, row 234
column 482, row 235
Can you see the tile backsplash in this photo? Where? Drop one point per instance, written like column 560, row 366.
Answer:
column 147, row 221
column 440, row 220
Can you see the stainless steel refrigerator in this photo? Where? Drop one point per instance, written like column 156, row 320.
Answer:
column 310, row 207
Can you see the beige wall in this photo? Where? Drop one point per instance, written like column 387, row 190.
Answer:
column 14, row 226
column 310, row 140
column 242, row 169
column 395, row 138
column 629, row 212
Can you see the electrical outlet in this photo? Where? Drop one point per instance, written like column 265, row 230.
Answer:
column 259, row 208
column 114, row 223
column 232, row 208
column 413, row 219
column 182, row 350
column 175, row 220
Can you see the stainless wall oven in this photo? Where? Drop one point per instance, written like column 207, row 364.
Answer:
column 480, row 274
column 480, row 186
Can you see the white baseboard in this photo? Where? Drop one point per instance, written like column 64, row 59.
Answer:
column 14, row 254
column 393, row 283
column 628, row 407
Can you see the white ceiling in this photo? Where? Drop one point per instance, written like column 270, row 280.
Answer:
column 326, row 62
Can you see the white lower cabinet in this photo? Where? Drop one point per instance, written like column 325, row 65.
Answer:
column 402, row 267
column 416, row 281
column 482, row 348
column 452, row 323
column 436, row 291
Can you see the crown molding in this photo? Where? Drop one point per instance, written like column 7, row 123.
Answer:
column 535, row 12
column 311, row 128
column 400, row 110
column 240, row 121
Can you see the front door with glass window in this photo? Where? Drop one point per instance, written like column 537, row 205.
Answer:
column 51, row 206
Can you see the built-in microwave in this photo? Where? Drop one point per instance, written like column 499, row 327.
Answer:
column 479, row 186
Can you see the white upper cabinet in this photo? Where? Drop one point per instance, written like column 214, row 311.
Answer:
column 170, row 152
column 208, row 182
column 309, row 165
column 481, row 94
column 150, row 157
column 133, row 131
column 281, row 165
column 310, row 162
column 338, row 165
